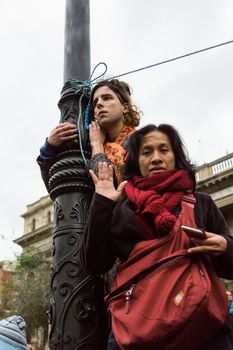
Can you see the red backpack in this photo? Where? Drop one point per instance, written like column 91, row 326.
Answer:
column 164, row 298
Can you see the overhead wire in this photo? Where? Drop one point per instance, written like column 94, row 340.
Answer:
column 166, row 61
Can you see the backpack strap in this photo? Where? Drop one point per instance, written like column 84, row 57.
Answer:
column 187, row 204
column 188, row 197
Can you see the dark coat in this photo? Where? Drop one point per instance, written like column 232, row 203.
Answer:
column 111, row 232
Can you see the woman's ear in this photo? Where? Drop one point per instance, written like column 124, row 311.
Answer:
column 125, row 108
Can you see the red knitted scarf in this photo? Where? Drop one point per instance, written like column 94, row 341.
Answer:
column 156, row 197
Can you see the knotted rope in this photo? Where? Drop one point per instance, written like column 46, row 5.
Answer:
column 83, row 88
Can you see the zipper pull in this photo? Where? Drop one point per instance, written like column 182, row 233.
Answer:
column 127, row 298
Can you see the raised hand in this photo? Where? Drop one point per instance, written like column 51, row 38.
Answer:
column 97, row 138
column 62, row 132
column 104, row 182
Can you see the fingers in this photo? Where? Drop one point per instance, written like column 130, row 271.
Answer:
column 95, row 130
column 121, row 186
column 94, row 126
column 66, row 129
column 105, row 171
column 93, row 176
column 62, row 132
column 104, row 182
column 110, row 172
column 214, row 244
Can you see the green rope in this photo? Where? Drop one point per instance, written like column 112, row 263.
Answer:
column 84, row 88
column 79, row 129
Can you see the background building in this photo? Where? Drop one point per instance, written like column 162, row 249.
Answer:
column 216, row 179
column 38, row 226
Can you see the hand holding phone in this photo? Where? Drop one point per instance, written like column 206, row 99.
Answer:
column 193, row 232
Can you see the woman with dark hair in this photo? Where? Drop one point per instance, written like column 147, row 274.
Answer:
column 158, row 198
column 114, row 118
column 182, row 162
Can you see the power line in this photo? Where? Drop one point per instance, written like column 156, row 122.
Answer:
column 172, row 59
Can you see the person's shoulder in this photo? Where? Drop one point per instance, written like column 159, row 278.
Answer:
column 204, row 198
column 202, row 195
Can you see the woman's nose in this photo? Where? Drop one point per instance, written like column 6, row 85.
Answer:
column 99, row 104
column 156, row 157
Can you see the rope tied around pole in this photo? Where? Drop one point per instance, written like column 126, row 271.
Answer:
column 83, row 88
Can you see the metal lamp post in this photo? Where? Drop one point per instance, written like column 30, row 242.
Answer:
column 77, row 313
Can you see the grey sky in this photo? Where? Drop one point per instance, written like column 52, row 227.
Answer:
column 193, row 94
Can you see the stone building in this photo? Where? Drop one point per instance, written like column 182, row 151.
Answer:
column 216, row 179
column 38, row 220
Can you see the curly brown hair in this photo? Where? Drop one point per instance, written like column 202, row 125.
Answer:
column 122, row 90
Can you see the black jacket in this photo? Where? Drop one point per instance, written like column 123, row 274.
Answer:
column 111, row 232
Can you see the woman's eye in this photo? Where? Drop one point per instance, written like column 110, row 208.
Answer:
column 146, row 152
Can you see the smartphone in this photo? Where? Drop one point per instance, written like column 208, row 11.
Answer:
column 192, row 232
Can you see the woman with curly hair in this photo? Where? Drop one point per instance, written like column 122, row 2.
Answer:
column 114, row 118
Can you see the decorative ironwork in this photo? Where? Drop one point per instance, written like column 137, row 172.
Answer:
column 77, row 313
column 80, row 211
column 58, row 213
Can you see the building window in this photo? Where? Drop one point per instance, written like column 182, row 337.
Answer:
column 33, row 224
column 49, row 217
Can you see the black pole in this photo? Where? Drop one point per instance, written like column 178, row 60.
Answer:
column 77, row 40
column 77, row 313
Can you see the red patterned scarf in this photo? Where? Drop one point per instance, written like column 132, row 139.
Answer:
column 156, row 197
column 116, row 153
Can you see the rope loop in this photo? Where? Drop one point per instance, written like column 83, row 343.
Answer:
column 102, row 74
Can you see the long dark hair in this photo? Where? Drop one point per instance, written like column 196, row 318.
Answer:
column 182, row 161
column 122, row 90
